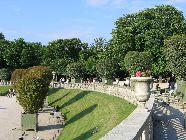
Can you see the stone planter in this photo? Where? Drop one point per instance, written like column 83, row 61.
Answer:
column 29, row 121
column 142, row 86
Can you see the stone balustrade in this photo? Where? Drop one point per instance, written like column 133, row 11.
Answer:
column 137, row 126
column 5, row 83
column 115, row 90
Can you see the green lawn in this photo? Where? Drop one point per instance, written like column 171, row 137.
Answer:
column 4, row 90
column 89, row 115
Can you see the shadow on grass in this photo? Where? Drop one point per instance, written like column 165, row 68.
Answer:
column 3, row 93
column 81, row 114
column 53, row 90
column 58, row 99
column 75, row 98
column 85, row 135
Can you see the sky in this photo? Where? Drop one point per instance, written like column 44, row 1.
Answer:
column 47, row 20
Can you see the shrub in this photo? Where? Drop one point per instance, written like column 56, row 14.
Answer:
column 175, row 52
column 18, row 75
column 32, row 88
column 134, row 61
column 5, row 74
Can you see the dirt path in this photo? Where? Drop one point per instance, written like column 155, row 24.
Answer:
column 10, row 123
column 10, row 114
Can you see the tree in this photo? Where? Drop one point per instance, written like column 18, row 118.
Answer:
column 13, row 52
column 107, row 68
column 76, row 70
column 90, row 66
column 175, row 52
column 21, row 54
column 2, row 37
column 135, row 60
column 5, row 74
column 3, row 46
column 146, row 31
column 31, row 55
column 59, row 53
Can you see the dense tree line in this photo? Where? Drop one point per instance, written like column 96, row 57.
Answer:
column 144, row 31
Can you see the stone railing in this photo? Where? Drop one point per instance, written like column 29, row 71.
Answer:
column 5, row 83
column 115, row 90
column 137, row 126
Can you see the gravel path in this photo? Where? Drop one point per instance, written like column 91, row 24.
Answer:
column 10, row 114
column 10, row 123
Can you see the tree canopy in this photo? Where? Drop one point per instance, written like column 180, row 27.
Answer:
column 146, row 31
column 175, row 52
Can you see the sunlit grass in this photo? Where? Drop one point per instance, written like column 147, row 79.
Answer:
column 89, row 115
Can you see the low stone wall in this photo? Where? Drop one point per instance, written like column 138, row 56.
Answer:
column 115, row 90
column 6, row 83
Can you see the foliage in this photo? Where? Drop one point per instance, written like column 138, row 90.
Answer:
column 2, row 37
column 31, row 55
column 3, row 47
column 90, row 66
column 5, row 74
column 59, row 53
column 89, row 115
column 32, row 88
column 135, row 60
column 107, row 68
column 175, row 52
column 18, row 74
column 146, row 31
column 20, row 54
column 91, row 55
column 76, row 70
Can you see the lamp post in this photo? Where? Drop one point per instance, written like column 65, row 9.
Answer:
column 54, row 76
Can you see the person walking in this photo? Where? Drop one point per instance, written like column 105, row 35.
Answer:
column 10, row 92
column 172, row 82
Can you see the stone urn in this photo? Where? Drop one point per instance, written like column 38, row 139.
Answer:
column 142, row 87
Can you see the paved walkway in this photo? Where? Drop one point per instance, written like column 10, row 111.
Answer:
column 169, row 122
column 10, row 125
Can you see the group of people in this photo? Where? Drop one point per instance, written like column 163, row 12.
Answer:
column 11, row 92
column 62, row 80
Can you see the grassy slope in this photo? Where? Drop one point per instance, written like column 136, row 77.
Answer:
column 4, row 90
column 89, row 115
